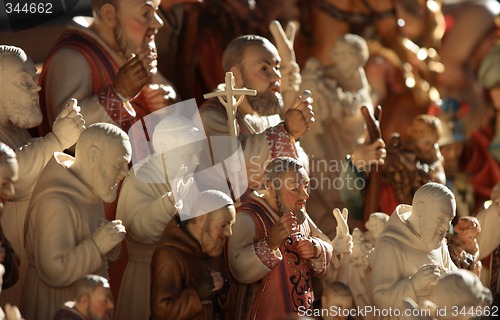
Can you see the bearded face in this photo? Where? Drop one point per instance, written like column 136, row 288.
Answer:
column 136, row 26
column 111, row 172
column 260, row 70
column 100, row 304
column 293, row 194
column 19, row 98
column 217, row 229
column 267, row 104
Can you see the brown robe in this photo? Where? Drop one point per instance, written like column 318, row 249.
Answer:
column 177, row 267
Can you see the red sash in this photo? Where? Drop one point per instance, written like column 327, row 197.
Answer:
column 103, row 69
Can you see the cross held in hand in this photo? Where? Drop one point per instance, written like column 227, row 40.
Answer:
column 228, row 99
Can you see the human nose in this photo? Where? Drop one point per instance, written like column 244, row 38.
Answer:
column 275, row 74
column 157, row 23
column 228, row 232
column 8, row 190
column 111, row 305
column 304, row 192
column 124, row 172
column 36, row 87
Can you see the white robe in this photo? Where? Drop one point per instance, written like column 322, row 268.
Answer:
column 145, row 210
column 62, row 217
column 32, row 156
column 399, row 254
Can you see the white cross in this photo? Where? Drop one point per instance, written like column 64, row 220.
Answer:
column 228, row 99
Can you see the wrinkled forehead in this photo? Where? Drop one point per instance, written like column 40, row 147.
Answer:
column 442, row 209
column 15, row 64
column 122, row 151
column 296, row 177
column 262, row 51
column 224, row 214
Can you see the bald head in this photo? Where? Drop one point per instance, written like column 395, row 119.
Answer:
column 433, row 208
column 235, row 51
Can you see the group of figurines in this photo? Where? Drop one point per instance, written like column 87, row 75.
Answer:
column 287, row 194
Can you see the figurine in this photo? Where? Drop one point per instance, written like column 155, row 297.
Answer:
column 67, row 235
column 9, row 174
column 147, row 204
column 463, row 247
column 108, row 64
column 489, row 240
column 275, row 248
column 356, row 269
column 9, row 261
column 187, row 279
column 411, row 252
column 19, row 103
column 374, row 227
column 92, row 300
column 402, row 70
column 412, row 163
column 11, row 312
column 255, row 64
column 340, row 89
column 391, row 62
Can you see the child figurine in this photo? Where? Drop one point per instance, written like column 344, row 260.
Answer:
column 424, row 133
column 463, row 246
column 411, row 164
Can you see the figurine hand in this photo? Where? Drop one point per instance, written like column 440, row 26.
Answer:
column 284, row 41
column 425, row 279
column 308, row 248
column 289, row 69
column 343, row 240
column 68, row 124
column 300, row 117
column 12, row 313
column 181, row 185
column 281, row 230
column 134, row 74
column 209, row 284
column 109, row 235
column 218, row 280
column 159, row 96
column 366, row 155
